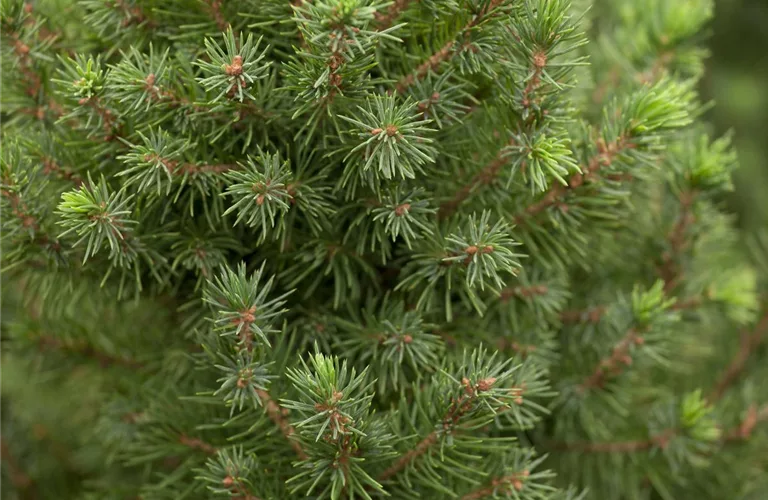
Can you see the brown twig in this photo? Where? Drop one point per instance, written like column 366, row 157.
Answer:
column 515, row 481
column 749, row 342
column 611, row 366
column 660, row 440
column 175, row 167
column 523, row 349
column 215, row 8
column 445, row 53
column 523, row 292
column 384, row 21
column 486, row 176
column 278, row 416
column 595, row 314
column 20, row 480
column 197, row 444
column 591, row 315
column 670, row 270
column 133, row 15
column 744, row 430
column 606, row 153
column 84, row 349
column 51, row 167
column 459, row 407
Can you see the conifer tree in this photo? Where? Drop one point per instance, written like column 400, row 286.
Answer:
column 362, row 249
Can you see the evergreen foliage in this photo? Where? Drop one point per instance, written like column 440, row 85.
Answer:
column 337, row 249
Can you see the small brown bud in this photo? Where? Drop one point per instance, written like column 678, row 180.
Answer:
column 228, row 481
column 403, row 209
column 517, row 484
column 260, row 200
column 539, row 59
column 236, row 68
column 518, row 400
column 242, row 383
column 376, row 131
column 407, row 339
column 486, row 383
column 471, row 250
column 487, row 249
column 391, row 130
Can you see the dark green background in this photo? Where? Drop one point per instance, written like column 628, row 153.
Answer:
column 737, row 81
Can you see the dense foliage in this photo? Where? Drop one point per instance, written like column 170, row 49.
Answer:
column 335, row 249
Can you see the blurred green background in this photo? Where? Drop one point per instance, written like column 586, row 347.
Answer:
column 737, row 80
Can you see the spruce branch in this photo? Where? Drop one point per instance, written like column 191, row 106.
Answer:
column 477, row 391
column 214, row 6
column 260, row 191
column 243, row 309
column 278, row 415
column 606, row 154
column 649, row 308
column 387, row 19
column 679, row 240
column 21, row 481
column 230, row 473
column 86, row 350
column 391, row 142
column 197, row 444
column 231, row 71
column 449, row 50
column 486, row 176
column 694, row 420
column 523, row 292
column 613, row 365
column 645, row 115
column 750, row 341
column 744, row 430
column 501, row 485
column 98, row 216
column 32, row 80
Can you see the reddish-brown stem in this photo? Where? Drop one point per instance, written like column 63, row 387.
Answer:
column 744, row 430
column 486, row 176
column 458, row 408
column 214, row 6
column 133, row 15
column 522, row 349
column 51, row 167
column 445, row 53
column 591, row 315
column 613, row 365
column 515, row 481
column 539, row 63
column 749, row 342
column 278, row 416
column 197, row 444
column 660, row 440
column 178, row 168
column 108, row 120
column 595, row 314
column 670, row 270
column 606, row 154
column 523, row 292
column 20, row 480
column 384, row 21
column 84, row 349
